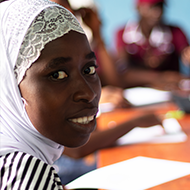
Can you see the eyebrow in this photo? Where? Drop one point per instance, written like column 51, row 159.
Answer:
column 62, row 60
column 57, row 61
column 91, row 55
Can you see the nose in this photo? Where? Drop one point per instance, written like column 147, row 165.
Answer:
column 84, row 91
column 157, row 13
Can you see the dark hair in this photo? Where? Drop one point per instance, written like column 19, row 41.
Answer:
column 2, row 1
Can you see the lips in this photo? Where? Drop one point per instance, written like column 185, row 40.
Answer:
column 83, row 120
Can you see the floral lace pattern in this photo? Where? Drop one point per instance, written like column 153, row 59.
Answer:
column 51, row 23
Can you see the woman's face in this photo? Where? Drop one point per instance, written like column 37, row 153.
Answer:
column 151, row 14
column 62, row 90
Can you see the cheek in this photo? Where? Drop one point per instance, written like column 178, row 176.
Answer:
column 46, row 104
column 48, row 116
column 97, row 87
column 43, row 105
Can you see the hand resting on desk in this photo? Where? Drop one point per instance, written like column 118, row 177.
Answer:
column 146, row 120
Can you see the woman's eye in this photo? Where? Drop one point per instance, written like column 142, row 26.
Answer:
column 90, row 70
column 59, row 75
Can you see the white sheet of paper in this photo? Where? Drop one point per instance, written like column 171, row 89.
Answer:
column 138, row 173
column 155, row 134
column 139, row 96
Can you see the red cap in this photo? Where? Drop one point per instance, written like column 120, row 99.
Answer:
column 149, row 1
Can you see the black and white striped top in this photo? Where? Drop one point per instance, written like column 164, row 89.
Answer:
column 21, row 171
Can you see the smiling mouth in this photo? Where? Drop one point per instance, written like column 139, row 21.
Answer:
column 83, row 120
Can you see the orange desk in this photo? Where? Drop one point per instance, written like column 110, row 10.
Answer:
column 174, row 151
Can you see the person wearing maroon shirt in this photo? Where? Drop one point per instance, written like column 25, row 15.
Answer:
column 149, row 50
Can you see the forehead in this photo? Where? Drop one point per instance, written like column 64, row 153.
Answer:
column 70, row 47
column 69, row 44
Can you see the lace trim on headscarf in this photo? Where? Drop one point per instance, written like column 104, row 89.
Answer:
column 45, row 28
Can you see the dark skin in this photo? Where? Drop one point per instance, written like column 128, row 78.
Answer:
column 108, row 75
column 97, row 139
column 111, row 91
column 62, row 88
column 90, row 17
column 62, row 85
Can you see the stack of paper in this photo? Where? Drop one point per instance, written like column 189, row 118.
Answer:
column 138, row 173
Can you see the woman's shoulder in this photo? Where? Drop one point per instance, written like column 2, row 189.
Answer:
column 23, row 171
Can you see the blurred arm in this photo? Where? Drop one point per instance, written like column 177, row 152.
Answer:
column 107, row 138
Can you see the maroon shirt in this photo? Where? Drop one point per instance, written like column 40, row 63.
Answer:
column 164, row 45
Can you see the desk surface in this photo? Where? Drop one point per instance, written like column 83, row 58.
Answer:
column 173, row 151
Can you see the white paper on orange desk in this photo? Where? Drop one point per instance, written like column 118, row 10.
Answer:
column 140, row 96
column 138, row 173
column 155, row 134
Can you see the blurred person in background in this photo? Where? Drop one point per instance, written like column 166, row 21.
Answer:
column 149, row 51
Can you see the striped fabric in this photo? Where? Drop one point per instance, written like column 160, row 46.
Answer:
column 21, row 171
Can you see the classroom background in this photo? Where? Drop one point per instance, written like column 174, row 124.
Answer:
column 115, row 13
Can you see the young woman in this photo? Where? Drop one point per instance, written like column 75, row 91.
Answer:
column 49, row 94
column 49, row 91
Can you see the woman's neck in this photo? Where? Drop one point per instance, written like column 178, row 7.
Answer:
column 145, row 28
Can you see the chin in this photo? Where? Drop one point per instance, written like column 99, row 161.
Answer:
column 77, row 142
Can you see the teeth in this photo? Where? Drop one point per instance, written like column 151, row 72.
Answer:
column 82, row 120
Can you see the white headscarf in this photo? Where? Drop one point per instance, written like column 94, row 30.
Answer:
column 25, row 27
